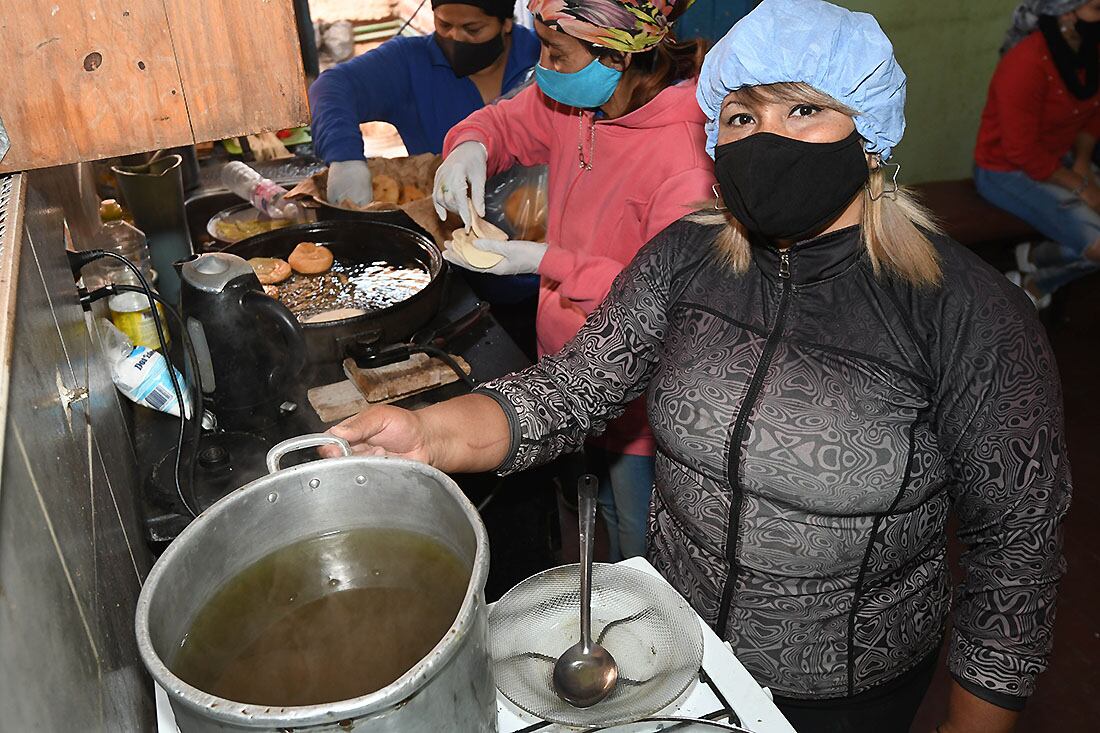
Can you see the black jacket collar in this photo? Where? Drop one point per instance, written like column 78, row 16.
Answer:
column 812, row 260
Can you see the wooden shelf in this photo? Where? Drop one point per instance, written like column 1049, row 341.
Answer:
column 99, row 78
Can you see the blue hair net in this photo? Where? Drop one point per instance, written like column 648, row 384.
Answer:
column 843, row 54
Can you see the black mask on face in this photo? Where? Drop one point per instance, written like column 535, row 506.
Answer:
column 783, row 188
column 1089, row 30
column 470, row 58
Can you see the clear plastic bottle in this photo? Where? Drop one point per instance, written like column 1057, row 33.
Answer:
column 263, row 193
column 123, row 238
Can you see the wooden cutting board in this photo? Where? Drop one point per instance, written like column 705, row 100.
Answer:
column 378, row 386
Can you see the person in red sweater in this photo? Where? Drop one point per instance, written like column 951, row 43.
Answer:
column 1037, row 139
column 613, row 117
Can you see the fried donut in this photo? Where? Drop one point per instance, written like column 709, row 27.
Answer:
column 271, row 291
column 386, row 189
column 310, row 259
column 409, row 192
column 270, row 270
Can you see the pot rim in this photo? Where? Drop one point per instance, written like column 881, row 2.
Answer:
column 393, row 695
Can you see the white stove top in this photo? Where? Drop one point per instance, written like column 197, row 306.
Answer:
column 728, row 685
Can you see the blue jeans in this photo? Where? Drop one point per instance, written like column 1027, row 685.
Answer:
column 626, row 484
column 1056, row 213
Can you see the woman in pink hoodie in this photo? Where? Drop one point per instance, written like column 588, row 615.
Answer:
column 613, row 115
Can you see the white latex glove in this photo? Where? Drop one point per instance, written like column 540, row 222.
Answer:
column 464, row 166
column 520, row 257
column 350, row 181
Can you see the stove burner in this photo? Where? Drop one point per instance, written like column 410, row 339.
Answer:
column 225, row 461
column 214, row 458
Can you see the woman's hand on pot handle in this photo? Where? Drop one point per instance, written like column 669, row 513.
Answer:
column 466, row 434
column 379, row 431
column 461, row 171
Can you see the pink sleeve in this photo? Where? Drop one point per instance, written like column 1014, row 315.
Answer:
column 516, row 130
column 587, row 279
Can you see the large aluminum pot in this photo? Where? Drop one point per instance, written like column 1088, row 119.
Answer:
column 451, row 689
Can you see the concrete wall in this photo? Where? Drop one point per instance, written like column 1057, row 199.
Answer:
column 948, row 49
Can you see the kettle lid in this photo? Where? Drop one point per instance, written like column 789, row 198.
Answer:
column 212, row 271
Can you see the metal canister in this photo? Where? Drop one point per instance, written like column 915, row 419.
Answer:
column 131, row 314
column 450, row 689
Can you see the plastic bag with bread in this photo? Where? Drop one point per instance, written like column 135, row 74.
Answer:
column 516, row 201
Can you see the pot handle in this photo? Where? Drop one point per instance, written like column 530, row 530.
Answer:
column 275, row 455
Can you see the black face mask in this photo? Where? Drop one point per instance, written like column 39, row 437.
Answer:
column 1088, row 30
column 781, row 188
column 470, row 58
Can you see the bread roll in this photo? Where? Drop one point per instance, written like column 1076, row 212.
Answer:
column 525, row 210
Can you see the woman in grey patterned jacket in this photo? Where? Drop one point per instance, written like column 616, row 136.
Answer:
column 828, row 380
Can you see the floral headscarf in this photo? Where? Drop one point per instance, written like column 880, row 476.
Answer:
column 631, row 26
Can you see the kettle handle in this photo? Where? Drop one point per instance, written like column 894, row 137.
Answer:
column 263, row 305
column 275, row 455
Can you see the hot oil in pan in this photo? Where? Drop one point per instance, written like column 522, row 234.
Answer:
column 325, row 619
column 364, row 285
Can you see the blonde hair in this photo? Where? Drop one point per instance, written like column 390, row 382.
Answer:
column 893, row 224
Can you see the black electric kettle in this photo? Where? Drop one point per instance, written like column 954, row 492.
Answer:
column 250, row 348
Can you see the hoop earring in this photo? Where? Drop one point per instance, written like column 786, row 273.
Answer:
column 718, row 205
column 889, row 192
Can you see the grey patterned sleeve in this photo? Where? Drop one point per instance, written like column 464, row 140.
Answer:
column 1001, row 423
column 555, row 404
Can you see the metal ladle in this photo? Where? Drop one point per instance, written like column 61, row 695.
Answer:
column 585, row 673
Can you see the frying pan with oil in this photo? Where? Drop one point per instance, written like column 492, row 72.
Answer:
column 355, row 243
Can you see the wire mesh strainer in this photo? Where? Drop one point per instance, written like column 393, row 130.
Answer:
column 651, row 631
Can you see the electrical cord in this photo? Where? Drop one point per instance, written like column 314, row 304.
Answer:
column 195, row 384
column 196, row 391
column 77, row 261
column 447, row 359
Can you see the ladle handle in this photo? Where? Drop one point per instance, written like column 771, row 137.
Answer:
column 587, row 488
column 275, row 455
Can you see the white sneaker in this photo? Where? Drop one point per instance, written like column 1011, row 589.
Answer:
column 1017, row 279
column 1023, row 258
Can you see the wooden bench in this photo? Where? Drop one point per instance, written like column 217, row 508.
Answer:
column 974, row 222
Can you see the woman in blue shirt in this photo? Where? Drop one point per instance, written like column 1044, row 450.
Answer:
column 422, row 85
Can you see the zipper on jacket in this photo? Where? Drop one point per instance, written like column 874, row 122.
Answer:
column 733, row 459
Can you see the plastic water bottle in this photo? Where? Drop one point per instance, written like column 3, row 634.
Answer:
column 266, row 195
column 123, row 238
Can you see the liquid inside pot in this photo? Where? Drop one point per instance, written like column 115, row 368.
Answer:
column 325, row 619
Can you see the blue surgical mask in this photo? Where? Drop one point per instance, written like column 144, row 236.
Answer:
column 588, row 88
